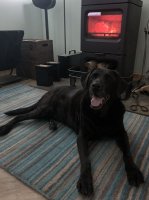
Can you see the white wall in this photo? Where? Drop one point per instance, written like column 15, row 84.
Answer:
column 73, row 19
column 21, row 14
column 141, row 40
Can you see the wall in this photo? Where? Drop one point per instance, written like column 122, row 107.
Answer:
column 73, row 19
column 73, row 32
column 21, row 14
column 141, row 40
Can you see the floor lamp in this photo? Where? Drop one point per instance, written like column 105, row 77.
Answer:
column 45, row 4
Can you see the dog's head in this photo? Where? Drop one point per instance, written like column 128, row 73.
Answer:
column 103, row 85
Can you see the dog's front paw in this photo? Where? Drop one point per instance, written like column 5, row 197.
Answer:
column 85, row 185
column 52, row 125
column 135, row 177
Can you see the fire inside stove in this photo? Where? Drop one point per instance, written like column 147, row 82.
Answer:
column 105, row 25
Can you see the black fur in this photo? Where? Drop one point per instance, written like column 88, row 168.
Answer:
column 77, row 109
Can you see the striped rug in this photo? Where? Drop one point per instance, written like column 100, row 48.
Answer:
column 48, row 161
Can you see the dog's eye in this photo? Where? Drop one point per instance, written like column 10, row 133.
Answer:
column 95, row 75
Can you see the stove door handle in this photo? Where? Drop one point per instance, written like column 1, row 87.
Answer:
column 100, row 54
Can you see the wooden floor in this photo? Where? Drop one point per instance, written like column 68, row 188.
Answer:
column 12, row 189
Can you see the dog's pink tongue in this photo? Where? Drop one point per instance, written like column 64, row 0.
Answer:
column 96, row 101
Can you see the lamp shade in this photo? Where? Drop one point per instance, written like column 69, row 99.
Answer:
column 44, row 4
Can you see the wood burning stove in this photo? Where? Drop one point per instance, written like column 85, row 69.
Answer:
column 109, row 31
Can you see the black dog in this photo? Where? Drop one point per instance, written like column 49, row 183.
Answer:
column 94, row 113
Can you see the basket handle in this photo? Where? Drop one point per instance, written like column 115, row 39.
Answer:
column 73, row 50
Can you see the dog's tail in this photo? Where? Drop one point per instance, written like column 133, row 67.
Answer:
column 21, row 110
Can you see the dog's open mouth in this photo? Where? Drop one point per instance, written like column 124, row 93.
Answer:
column 98, row 102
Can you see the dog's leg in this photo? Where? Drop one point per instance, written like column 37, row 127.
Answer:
column 7, row 127
column 21, row 110
column 134, row 175
column 52, row 125
column 85, row 183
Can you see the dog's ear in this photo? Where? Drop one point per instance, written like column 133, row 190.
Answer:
column 122, row 85
column 85, row 79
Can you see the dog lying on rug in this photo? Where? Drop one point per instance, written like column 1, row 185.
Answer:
column 94, row 113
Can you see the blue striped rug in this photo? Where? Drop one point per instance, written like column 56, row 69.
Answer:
column 48, row 161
